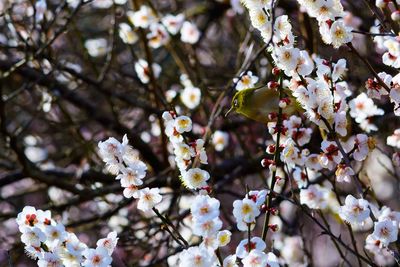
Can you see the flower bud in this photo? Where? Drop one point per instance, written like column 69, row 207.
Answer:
column 272, row 116
column 271, row 149
column 267, row 162
column 273, row 227
column 263, row 208
column 284, row 102
column 276, row 71
column 273, row 85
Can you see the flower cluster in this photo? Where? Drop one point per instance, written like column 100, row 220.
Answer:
column 122, row 160
column 260, row 17
column 329, row 14
column 246, row 211
column 48, row 242
column 186, row 153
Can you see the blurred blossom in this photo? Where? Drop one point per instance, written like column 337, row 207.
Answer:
column 189, row 33
column 40, row 7
column 220, row 140
column 35, row 154
column 102, row 3
column 157, row 36
column 127, row 34
column 142, row 70
column 173, row 23
column 142, row 18
column 96, row 47
column 190, row 97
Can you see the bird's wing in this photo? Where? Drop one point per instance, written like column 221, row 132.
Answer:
column 260, row 103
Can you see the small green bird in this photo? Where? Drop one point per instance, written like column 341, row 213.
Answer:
column 256, row 103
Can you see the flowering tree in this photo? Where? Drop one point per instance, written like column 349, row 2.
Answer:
column 199, row 133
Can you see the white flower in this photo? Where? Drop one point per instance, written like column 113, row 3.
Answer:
column 74, row 247
column 201, row 151
column 331, row 155
column 341, row 123
column 361, row 147
column 243, row 248
column 258, row 258
column 354, row 211
column 385, row 231
column 259, row 19
column 183, row 124
column 245, row 81
column 224, row 237
column 132, row 176
column 109, row 243
column 282, row 28
column 131, row 191
column 210, row 242
column 258, row 196
column 363, row 107
column 343, row 173
column 157, row 36
column 245, row 210
column 230, row 261
column 373, row 244
column 313, row 197
column 374, row 87
column 339, row 69
column 96, row 47
column 207, row 228
column 142, row 18
column 29, row 216
column 127, row 34
column 97, row 257
column 313, row 163
column 50, row 259
column 300, row 177
column 291, row 154
column 173, row 23
column 148, row 198
column 143, row 71
column 56, row 232
column 189, row 33
column 183, row 151
column 196, row 257
column 195, row 178
column 220, row 140
column 305, row 65
column 287, row 58
column 205, row 208
column 394, row 139
column 391, row 57
column 190, row 97
column 340, row 33
column 32, row 236
column 387, row 213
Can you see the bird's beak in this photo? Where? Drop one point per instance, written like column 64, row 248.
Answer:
column 229, row 111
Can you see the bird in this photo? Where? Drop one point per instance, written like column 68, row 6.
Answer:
column 258, row 102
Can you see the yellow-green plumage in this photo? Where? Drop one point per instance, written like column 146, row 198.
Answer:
column 257, row 103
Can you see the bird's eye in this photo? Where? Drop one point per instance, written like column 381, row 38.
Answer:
column 235, row 102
